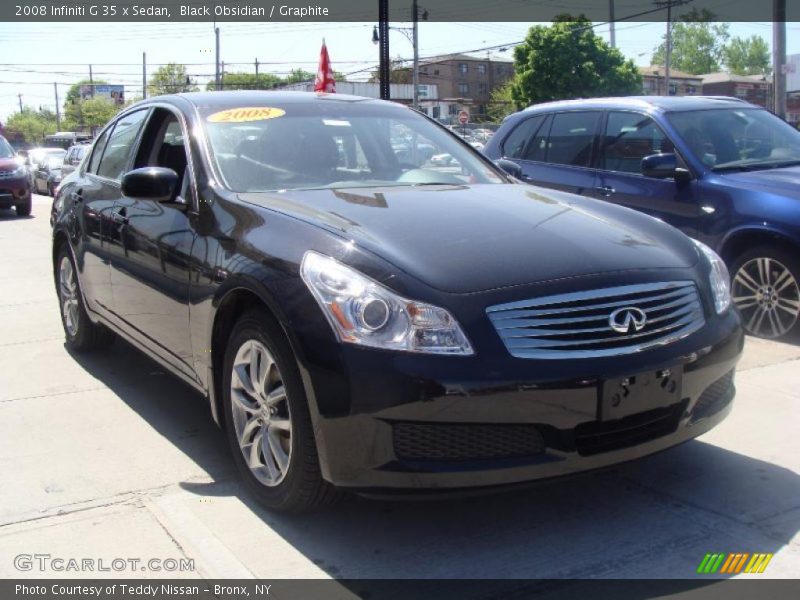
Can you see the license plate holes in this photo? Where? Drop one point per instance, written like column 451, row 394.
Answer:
column 638, row 393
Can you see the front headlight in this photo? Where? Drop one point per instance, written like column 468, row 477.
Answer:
column 362, row 311
column 719, row 278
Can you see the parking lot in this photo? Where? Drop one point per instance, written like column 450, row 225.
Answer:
column 107, row 456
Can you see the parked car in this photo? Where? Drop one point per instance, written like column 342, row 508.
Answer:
column 385, row 326
column 34, row 156
column 47, row 174
column 719, row 169
column 15, row 189
column 73, row 157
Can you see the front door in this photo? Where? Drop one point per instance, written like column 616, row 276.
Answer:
column 150, row 274
column 629, row 137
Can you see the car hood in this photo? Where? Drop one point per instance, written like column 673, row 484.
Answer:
column 473, row 238
column 9, row 164
column 784, row 181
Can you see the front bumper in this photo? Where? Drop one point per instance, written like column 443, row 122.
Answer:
column 14, row 192
column 427, row 423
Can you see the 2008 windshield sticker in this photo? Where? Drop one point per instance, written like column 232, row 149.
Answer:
column 243, row 115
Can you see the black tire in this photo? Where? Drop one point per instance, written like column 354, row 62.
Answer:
column 24, row 209
column 765, row 285
column 86, row 336
column 302, row 488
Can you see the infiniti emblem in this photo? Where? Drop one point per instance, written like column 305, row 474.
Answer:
column 627, row 320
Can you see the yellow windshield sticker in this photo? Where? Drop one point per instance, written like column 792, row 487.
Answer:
column 245, row 114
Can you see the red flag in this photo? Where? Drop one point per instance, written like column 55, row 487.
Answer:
column 324, row 81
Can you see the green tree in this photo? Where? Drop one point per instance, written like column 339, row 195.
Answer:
column 397, row 73
column 247, row 81
column 33, row 125
column 299, row 75
column 98, row 111
column 697, row 44
column 501, row 103
column 74, row 91
column 568, row 60
column 747, row 56
column 171, row 78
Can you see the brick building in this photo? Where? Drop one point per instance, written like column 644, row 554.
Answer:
column 756, row 89
column 464, row 82
column 680, row 84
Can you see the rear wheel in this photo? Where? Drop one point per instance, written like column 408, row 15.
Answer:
column 267, row 420
column 81, row 334
column 766, row 292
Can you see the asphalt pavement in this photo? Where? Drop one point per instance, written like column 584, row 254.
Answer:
column 107, row 457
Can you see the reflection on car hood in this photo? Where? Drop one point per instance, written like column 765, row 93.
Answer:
column 473, row 238
column 784, row 181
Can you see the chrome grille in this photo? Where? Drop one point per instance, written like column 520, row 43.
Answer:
column 577, row 325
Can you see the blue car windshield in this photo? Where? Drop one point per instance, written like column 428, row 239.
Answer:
column 305, row 146
column 738, row 139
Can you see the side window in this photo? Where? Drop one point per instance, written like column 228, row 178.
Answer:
column 514, row 145
column 163, row 145
column 120, row 145
column 629, row 137
column 571, row 137
column 537, row 148
column 97, row 152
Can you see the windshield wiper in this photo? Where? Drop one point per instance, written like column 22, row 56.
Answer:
column 755, row 166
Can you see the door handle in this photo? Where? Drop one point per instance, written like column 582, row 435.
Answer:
column 605, row 190
column 119, row 216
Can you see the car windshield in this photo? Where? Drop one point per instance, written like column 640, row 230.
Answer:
column 6, row 151
column 738, row 139
column 337, row 145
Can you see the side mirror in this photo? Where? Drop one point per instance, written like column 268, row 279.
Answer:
column 151, row 183
column 663, row 166
column 510, row 167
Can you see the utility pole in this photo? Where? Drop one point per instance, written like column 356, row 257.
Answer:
column 20, row 102
column 415, row 72
column 668, row 58
column 144, row 75
column 779, row 56
column 216, row 68
column 222, row 75
column 258, row 87
column 91, row 80
column 383, row 41
column 58, row 110
column 611, row 30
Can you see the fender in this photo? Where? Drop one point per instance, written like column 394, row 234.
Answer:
column 761, row 229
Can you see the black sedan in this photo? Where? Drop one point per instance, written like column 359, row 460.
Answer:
column 360, row 318
column 47, row 173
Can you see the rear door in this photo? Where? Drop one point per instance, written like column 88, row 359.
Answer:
column 150, row 275
column 559, row 154
column 627, row 138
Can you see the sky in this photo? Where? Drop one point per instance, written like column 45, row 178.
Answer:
column 37, row 54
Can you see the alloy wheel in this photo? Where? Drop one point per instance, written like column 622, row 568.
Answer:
column 261, row 415
column 68, row 287
column 768, row 297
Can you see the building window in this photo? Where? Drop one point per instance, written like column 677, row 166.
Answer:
column 463, row 88
column 437, row 112
column 690, row 89
column 424, row 70
column 501, row 69
column 452, row 109
column 482, row 69
column 463, row 67
column 673, row 89
column 436, row 71
column 483, row 89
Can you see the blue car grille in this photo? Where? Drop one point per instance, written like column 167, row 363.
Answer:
column 578, row 325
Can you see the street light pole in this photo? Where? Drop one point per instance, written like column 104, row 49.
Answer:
column 216, row 67
column 779, row 56
column 415, row 73
column 383, row 42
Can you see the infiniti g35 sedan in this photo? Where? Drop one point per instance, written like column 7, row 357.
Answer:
column 360, row 318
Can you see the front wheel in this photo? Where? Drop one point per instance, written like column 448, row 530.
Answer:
column 24, row 209
column 267, row 420
column 765, row 290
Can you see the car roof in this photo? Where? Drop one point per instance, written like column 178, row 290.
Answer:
column 237, row 98
column 659, row 103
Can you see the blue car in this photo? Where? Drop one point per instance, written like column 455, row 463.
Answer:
column 721, row 170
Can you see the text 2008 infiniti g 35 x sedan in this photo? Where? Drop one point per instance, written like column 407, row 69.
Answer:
column 360, row 318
